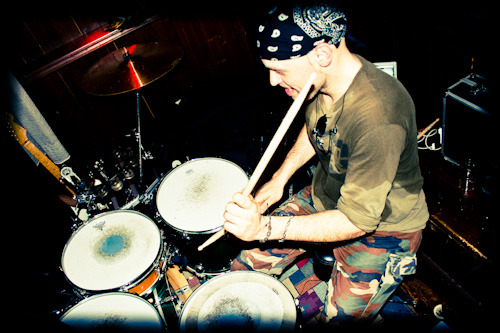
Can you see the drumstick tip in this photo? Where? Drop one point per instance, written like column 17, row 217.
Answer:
column 212, row 239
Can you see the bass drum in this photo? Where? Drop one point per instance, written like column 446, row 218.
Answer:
column 242, row 301
column 113, row 312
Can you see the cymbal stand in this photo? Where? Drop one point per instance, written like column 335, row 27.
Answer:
column 143, row 154
column 138, row 134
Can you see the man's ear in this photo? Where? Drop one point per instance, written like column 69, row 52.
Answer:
column 323, row 54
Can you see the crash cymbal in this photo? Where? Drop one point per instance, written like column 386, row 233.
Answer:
column 131, row 68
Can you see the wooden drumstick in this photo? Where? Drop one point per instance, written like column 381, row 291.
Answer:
column 270, row 150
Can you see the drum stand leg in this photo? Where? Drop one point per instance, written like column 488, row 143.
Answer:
column 160, row 310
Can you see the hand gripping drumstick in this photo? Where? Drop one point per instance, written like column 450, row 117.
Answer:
column 268, row 154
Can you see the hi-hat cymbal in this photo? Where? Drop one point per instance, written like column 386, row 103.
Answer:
column 131, row 68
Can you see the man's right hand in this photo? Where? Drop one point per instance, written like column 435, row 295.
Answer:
column 269, row 194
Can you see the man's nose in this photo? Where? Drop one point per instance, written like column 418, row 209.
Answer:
column 274, row 78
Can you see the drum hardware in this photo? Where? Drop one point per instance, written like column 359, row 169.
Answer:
column 99, row 167
column 128, row 174
column 130, row 69
column 123, row 170
column 109, row 188
column 185, row 236
column 99, row 185
column 157, row 303
column 200, row 271
column 116, row 183
column 145, row 198
column 125, row 156
column 85, row 198
column 68, row 175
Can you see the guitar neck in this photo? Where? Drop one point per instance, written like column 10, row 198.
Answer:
column 19, row 133
column 43, row 159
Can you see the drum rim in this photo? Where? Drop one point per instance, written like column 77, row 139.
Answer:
column 192, row 298
column 88, row 299
column 155, row 266
column 130, row 284
column 203, row 232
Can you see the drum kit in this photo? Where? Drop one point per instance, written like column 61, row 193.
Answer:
column 127, row 268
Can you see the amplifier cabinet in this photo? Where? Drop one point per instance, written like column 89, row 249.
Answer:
column 468, row 124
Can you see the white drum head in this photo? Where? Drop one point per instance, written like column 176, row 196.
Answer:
column 240, row 301
column 113, row 312
column 111, row 250
column 193, row 197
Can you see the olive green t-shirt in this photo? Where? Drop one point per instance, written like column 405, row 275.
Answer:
column 368, row 154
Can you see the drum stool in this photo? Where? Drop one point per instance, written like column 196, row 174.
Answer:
column 323, row 261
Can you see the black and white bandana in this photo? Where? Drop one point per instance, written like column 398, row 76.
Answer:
column 288, row 34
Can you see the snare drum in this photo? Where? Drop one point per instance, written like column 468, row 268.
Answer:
column 113, row 312
column 118, row 250
column 245, row 301
column 192, row 199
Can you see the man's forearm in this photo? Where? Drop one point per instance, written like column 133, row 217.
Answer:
column 326, row 226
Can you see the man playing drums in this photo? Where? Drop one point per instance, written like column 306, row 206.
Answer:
column 366, row 196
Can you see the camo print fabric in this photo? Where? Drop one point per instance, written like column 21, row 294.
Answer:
column 365, row 274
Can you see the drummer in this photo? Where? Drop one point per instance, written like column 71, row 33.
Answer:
column 366, row 197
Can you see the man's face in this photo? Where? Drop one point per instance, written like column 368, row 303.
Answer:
column 291, row 74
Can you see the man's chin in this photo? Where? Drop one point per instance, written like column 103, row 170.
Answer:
column 295, row 93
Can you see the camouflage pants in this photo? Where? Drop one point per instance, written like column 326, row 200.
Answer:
column 364, row 275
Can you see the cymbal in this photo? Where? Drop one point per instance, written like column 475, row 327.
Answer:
column 131, row 68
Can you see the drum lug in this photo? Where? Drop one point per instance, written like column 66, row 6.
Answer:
column 158, row 218
column 158, row 266
column 76, row 225
column 199, row 269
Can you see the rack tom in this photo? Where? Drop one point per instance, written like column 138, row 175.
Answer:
column 191, row 200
